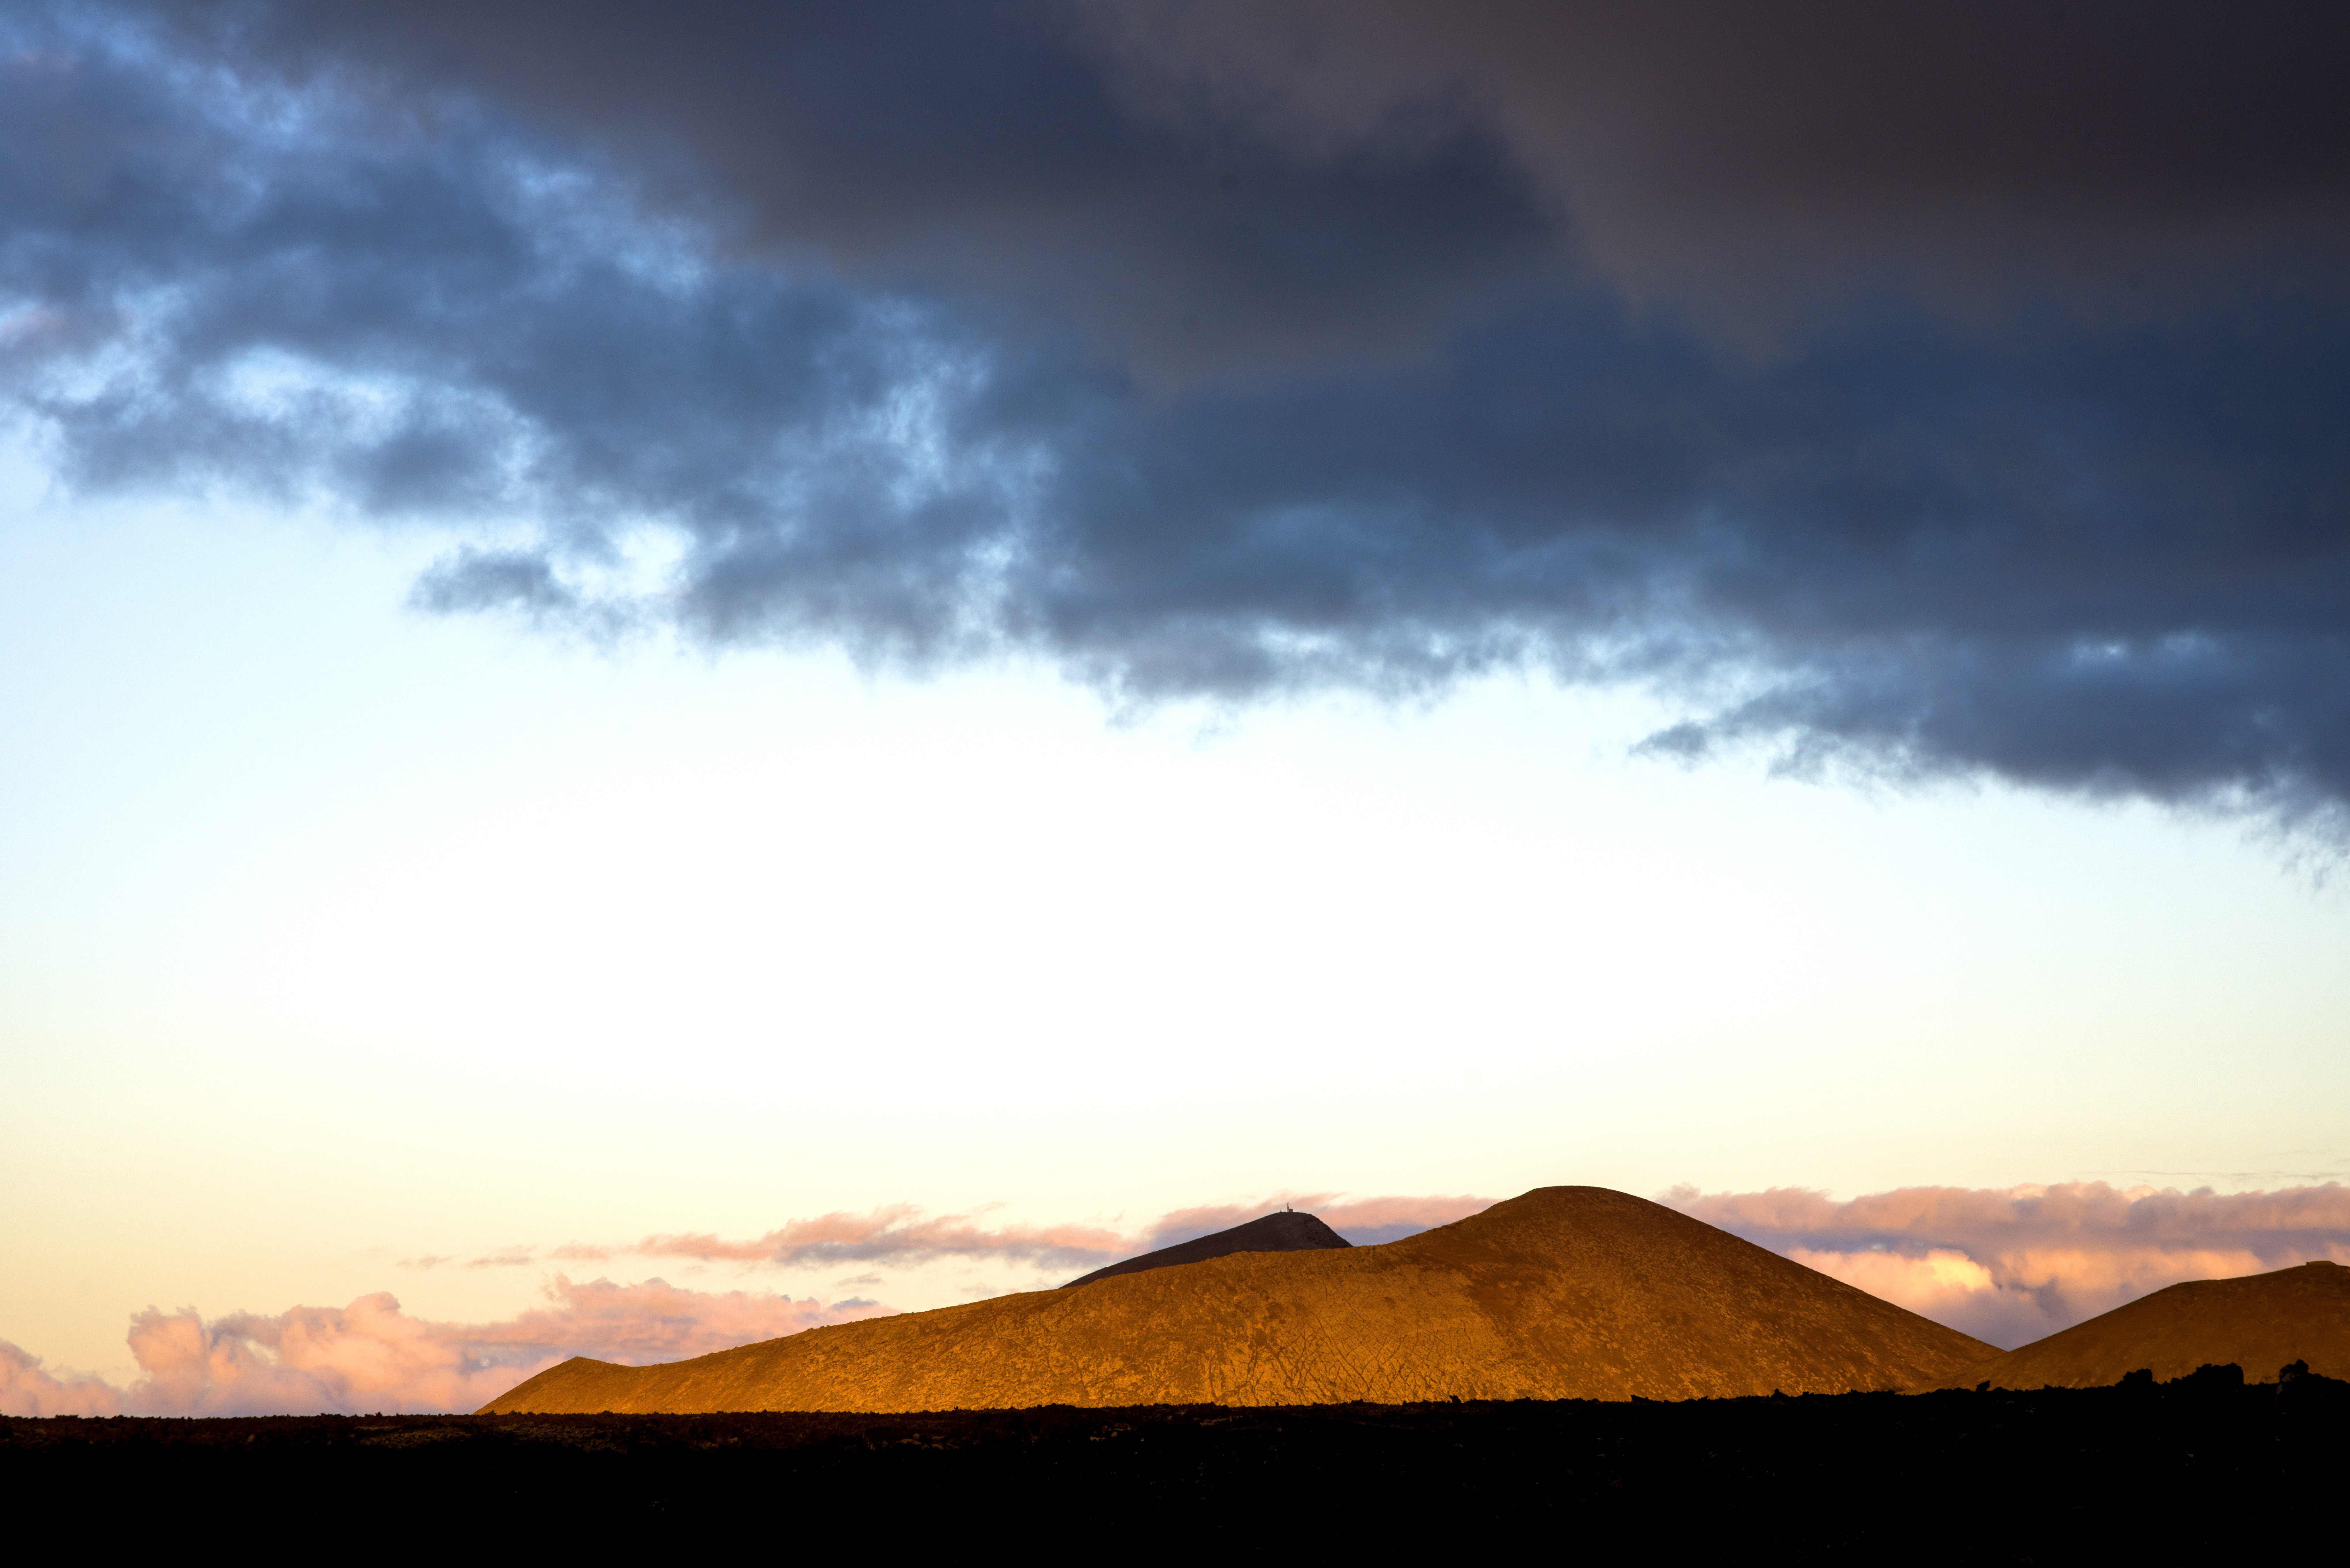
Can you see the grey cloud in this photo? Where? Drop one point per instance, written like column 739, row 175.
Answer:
column 936, row 330
column 476, row 579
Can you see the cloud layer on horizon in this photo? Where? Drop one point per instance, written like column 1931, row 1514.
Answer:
column 372, row 1356
column 1213, row 352
column 903, row 1233
column 2012, row 1266
column 2007, row 1266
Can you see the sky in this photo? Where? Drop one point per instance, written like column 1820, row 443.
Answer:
column 667, row 674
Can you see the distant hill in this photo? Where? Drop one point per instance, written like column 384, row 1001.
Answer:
column 1565, row 1293
column 2261, row 1323
column 1287, row 1231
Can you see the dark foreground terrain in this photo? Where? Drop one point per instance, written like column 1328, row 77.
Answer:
column 2203, row 1466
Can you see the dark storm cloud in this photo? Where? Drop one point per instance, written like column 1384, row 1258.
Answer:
column 1230, row 183
column 1760, row 154
column 985, row 147
column 1925, row 395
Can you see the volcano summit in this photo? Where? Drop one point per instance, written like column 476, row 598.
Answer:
column 1287, row 1231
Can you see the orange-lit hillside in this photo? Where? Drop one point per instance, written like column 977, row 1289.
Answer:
column 2261, row 1323
column 1565, row 1293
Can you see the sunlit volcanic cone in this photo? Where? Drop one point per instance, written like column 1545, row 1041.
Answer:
column 1566, row 1292
column 2261, row 1323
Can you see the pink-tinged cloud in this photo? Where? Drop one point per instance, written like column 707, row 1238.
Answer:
column 512, row 1258
column 28, row 1388
column 901, row 1234
column 2012, row 1266
column 370, row 1355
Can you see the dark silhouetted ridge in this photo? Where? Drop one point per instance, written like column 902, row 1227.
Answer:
column 1287, row 1231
